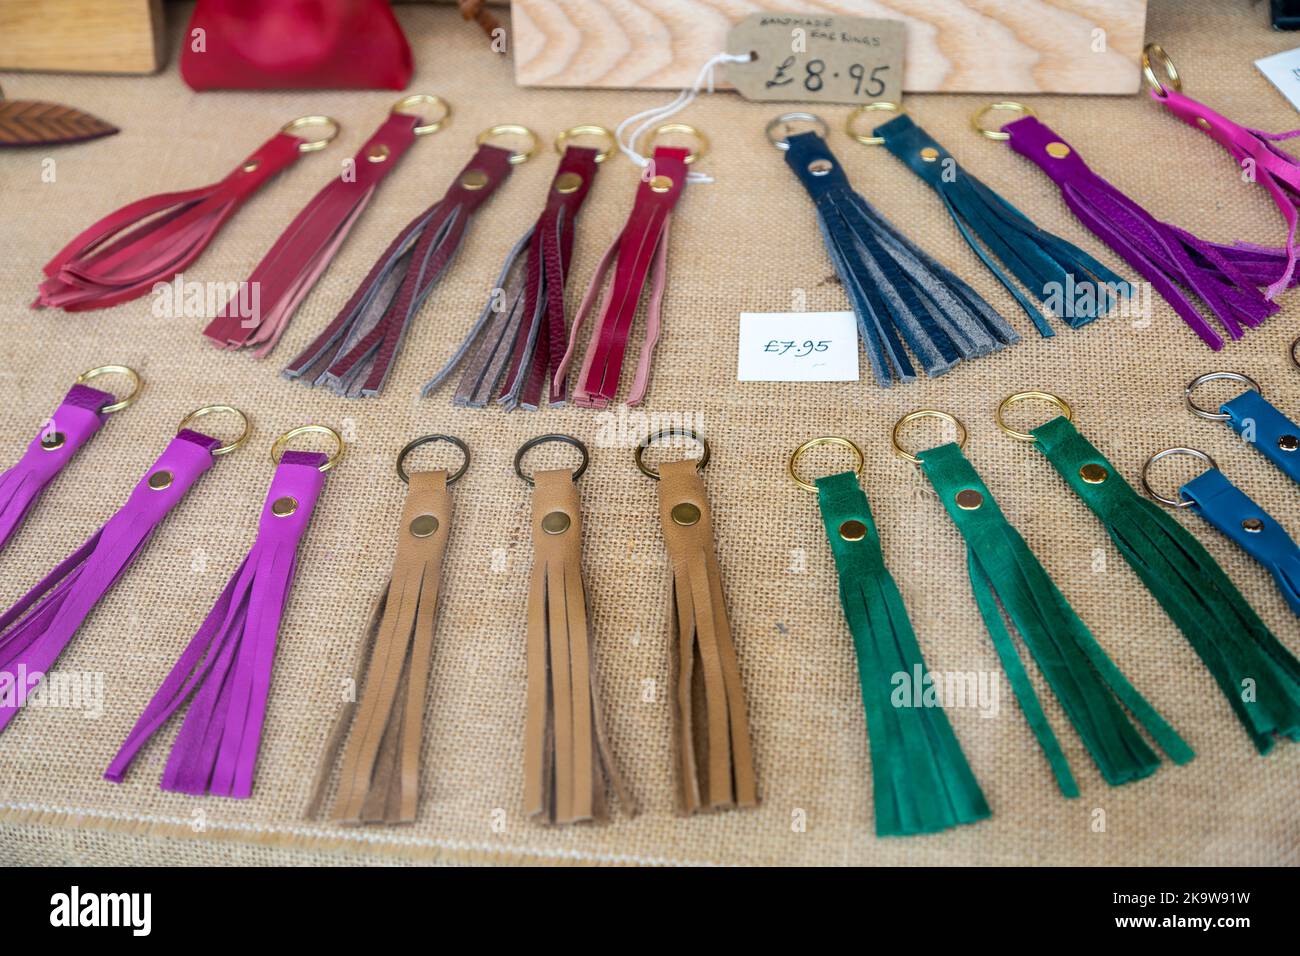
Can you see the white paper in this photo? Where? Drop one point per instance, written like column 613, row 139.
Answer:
column 798, row 347
column 1283, row 71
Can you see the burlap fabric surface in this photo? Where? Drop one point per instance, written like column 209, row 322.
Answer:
column 746, row 243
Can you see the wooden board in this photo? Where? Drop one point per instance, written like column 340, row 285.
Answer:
column 970, row 46
column 81, row 36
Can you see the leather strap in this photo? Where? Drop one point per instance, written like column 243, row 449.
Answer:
column 355, row 352
column 305, row 249
column 1262, row 426
column 639, row 255
column 715, row 760
column 567, row 758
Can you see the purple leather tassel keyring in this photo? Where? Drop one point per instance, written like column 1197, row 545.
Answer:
column 1179, row 265
column 82, row 412
column 225, row 670
column 34, row 632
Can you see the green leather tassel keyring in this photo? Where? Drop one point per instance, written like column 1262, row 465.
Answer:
column 1258, row 675
column 1091, row 688
column 921, row 778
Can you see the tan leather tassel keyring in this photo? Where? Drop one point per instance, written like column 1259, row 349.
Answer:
column 567, row 759
column 712, row 751
column 380, row 777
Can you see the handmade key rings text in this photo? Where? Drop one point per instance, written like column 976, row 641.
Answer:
column 532, row 443
column 206, row 410
column 1005, row 106
column 588, row 129
column 701, row 141
column 407, row 103
column 125, row 400
column 783, row 122
column 917, row 415
column 689, row 433
column 512, row 129
column 851, row 124
column 860, row 461
column 1169, row 453
column 280, row 444
column 452, row 478
column 1027, row 396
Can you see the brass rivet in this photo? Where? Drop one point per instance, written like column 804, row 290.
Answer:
column 378, row 153
column 1093, row 473
column 1253, row 525
column 1202, row 122
column 661, row 184
column 568, row 183
column 557, row 522
column 160, row 480
column 1288, row 443
column 820, row 167
column 52, row 441
column 473, row 179
column 423, row 526
column 968, row 499
column 686, row 514
column 251, row 165
column 929, row 154
column 853, row 530
column 1058, row 150
column 283, row 507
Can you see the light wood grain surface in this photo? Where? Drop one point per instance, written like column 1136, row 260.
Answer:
column 81, row 36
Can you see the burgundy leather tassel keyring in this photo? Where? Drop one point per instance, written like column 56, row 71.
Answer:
column 1225, row 278
column 34, row 632
column 82, row 413
column 639, row 256
column 355, row 352
column 225, row 670
column 122, row 256
column 522, row 333
column 305, row 249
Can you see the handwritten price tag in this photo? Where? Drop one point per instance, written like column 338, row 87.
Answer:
column 817, row 59
column 798, row 347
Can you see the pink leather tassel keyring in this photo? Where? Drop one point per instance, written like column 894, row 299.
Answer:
column 1180, row 266
column 1255, row 151
column 83, row 411
column 305, row 249
column 639, row 256
column 522, row 333
column 355, row 352
column 123, row 255
column 34, row 632
column 225, row 670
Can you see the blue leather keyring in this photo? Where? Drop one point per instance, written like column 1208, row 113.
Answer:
column 1253, row 417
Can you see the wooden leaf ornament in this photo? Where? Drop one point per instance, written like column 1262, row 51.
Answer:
column 34, row 123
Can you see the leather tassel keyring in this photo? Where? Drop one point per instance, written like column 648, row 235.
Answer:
column 225, row 670
column 1257, row 420
column 921, row 779
column 1226, row 633
column 1003, row 571
column 302, row 253
column 900, row 295
column 122, row 256
column 639, row 256
column 354, row 354
column 35, row 631
column 711, row 744
column 1230, row 510
column 1256, row 152
column 83, row 411
column 380, row 777
column 1178, row 265
column 568, row 762
column 519, row 340
column 1058, row 277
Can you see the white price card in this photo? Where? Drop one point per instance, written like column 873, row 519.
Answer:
column 1283, row 70
column 798, row 347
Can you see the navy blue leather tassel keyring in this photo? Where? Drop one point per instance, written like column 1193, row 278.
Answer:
column 901, row 295
column 1057, row 276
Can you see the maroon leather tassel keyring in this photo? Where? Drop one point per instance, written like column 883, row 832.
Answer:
column 522, row 333
column 354, row 353
column 123, row 255
column 305, row 249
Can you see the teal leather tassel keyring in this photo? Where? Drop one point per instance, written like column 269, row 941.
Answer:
column 922, row 781
column 1091, row 688
column 1255, row 419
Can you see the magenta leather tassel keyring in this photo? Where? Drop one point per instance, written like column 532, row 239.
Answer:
column 34, row 632
column 1259, row 158
column 1180, row 266
column 225, row 670
column 308, row 245
column 82, row 413
column 123, row 255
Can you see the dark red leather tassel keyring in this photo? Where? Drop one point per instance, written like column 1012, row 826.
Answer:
column 354, row 353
